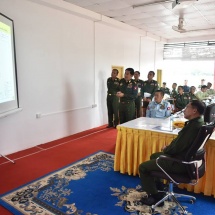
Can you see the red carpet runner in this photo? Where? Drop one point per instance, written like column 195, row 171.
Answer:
column 38, row 161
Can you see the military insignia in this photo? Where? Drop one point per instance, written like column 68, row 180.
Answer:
column 121, row 84
column 152, row 84
column 130, row 85
column 162, row 107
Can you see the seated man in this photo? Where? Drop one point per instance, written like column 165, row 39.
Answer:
column 202, row 94
column 181, row 99
column 165, row 89
column 174, row 92
column 177, row 148
column 158, row 108
column 191, row 94
column 209, row 90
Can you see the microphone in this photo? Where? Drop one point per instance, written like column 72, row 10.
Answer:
column 179, row 112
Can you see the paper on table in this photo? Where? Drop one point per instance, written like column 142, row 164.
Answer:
column 147, row 95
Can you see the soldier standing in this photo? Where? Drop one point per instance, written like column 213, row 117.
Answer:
column 127, row 94
column 138, row 100
column 112, row 99
column 149, row 86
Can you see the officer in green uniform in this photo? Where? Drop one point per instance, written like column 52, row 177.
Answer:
column 181, row 100
column 127, row 94
column 177, row 148
column 209, row 90
column 138, row 100
column 191, row 94
column 165, row 89
column 202, row 94
column 174, row 92
column 149, row 86
column 112, row 99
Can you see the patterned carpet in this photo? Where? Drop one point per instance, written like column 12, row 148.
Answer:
column 87, row 187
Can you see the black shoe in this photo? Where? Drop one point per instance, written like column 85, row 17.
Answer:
column 109, row 126
column 151, row 201
column 161, row 186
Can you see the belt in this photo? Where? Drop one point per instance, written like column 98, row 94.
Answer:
column 127, row 102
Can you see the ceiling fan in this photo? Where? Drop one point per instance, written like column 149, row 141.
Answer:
column 180, row 27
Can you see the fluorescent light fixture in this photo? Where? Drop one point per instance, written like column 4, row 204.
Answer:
column 182, row 3
column 152, row 3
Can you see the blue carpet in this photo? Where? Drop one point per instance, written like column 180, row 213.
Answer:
column 90, row 187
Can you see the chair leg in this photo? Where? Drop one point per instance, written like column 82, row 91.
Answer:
column 189, row 198
column 177, row 202
column 171, row 196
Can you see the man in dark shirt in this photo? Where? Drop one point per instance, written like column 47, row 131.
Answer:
column 112, row 99
column 138, row 100
column 191, row 94
column 181, row 100
column 127, row 94
column 177, row 148
column 186, row 88
column 149, row 86
column 165, row 89
column 174, row 92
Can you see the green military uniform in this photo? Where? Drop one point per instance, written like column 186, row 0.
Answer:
column 202, row 95
column 181, row 101
column 113, row 101
column 138, row 100
column 150, row 87
column 177, row 149
column 127, row 102
column 174, row 93
column 211, row 92
column 192, row 97
column 165, row 90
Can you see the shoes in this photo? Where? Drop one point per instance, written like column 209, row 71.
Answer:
column 152, row 200
column 109, row 126
column 160, row 186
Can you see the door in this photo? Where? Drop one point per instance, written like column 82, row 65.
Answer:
column 121, row 71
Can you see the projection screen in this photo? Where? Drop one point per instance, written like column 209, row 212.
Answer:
column 8, row 74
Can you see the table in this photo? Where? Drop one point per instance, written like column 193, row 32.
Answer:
column 139, row 138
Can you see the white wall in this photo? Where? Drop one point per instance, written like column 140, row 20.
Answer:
column 151, row 57
column 63, row 62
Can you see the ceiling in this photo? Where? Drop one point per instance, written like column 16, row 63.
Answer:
column 158, row 17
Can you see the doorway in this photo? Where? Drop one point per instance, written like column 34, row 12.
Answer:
column 121, row 71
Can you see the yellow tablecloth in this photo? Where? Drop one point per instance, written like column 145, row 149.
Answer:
column 134, row 146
